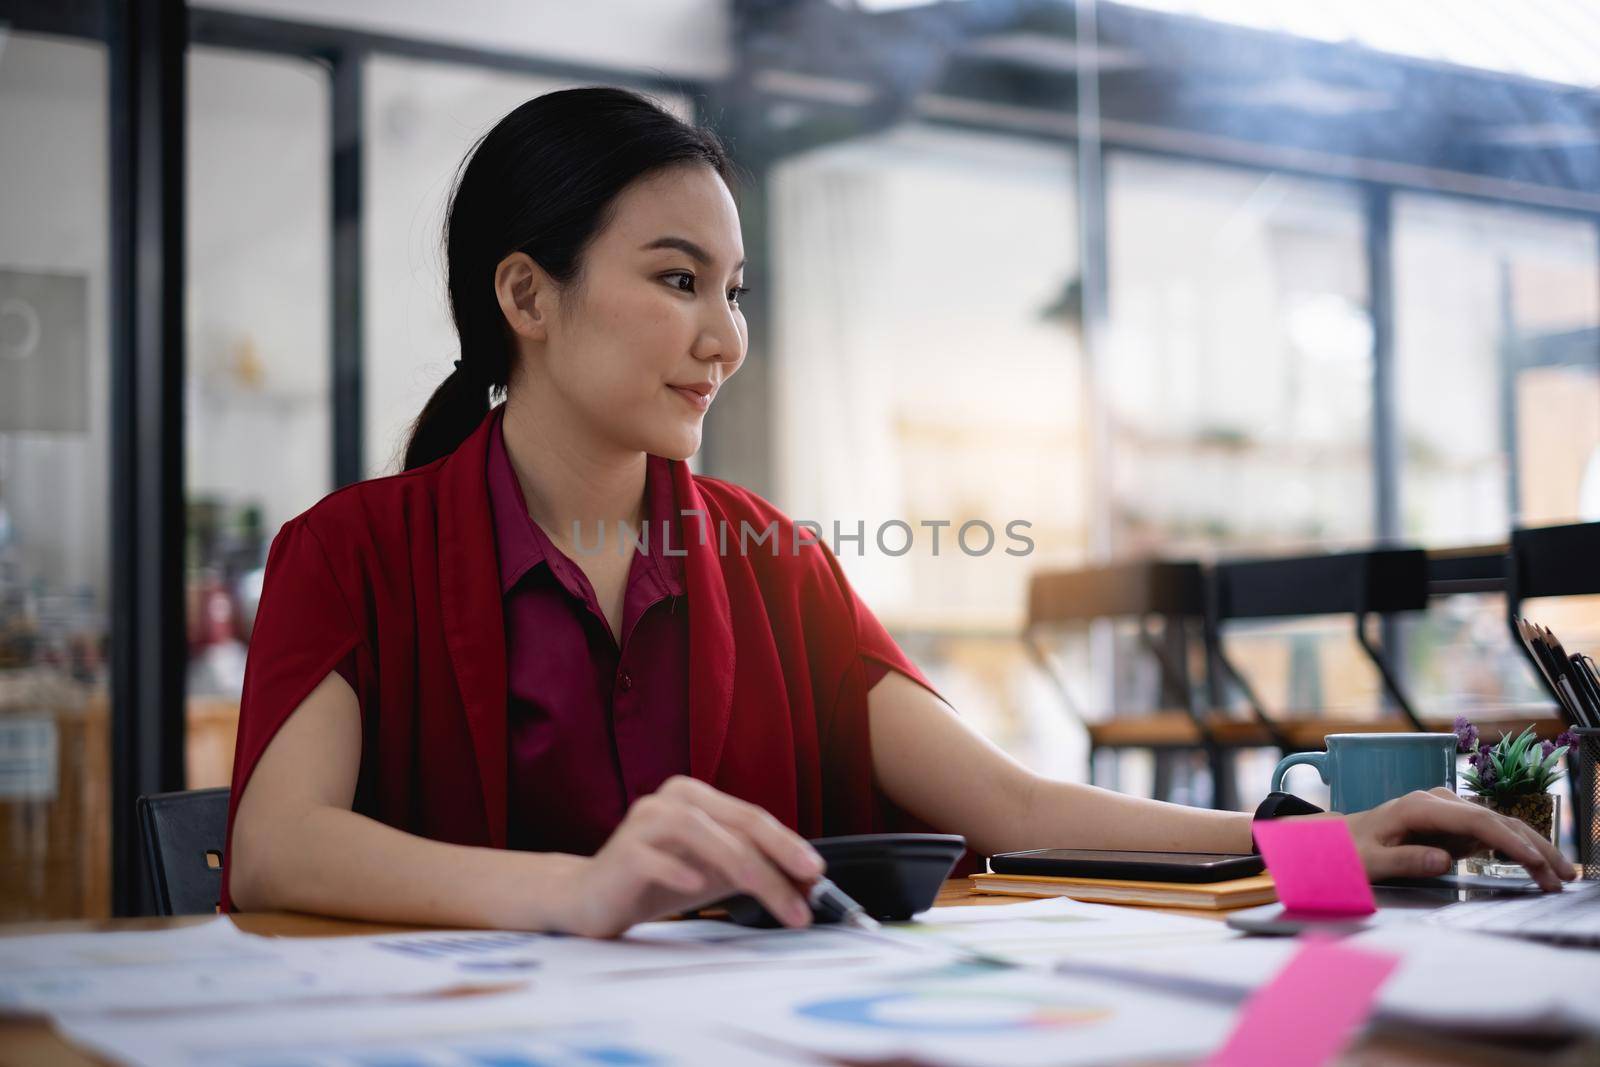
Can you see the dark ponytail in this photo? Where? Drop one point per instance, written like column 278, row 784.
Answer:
column 541, row 182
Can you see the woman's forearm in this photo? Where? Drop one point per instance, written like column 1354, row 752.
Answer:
column 931, row 763
column 297, row 845
column 331, row 861
column 1070, row 815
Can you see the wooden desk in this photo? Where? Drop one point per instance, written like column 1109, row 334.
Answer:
column 35, row 1043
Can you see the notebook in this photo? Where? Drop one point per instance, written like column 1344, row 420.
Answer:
column 1210, row 896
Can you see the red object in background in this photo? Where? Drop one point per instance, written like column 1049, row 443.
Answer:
column 213, row 619
column 219, row 623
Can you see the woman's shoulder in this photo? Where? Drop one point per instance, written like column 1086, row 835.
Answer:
column 370, row 514
column 777, row 546
column 737, row 502
column 752, row 519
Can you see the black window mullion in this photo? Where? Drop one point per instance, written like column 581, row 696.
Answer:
column 347, row 385
column 148, row 639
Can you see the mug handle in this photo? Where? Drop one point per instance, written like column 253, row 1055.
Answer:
column 1319, row 760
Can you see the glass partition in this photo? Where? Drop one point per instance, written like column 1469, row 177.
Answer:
column 258, row 373
column 928, row 391
column 55, row 816
column 1497, row 347
column 1239, row 362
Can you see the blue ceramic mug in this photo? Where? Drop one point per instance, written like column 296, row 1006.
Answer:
column 1364, row 770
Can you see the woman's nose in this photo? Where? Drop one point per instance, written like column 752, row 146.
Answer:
column 721, row 342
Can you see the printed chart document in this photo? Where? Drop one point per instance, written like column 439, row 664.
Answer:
column 484, row 1030
column 649, row 949
column 214, row 964
column 709, row 992
column 207, row 965
column 940, row 1013
column 956, row 1014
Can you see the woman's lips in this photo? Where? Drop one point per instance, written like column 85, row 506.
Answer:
column 700, row 401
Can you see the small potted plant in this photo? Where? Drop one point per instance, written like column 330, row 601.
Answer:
column 1513, row 776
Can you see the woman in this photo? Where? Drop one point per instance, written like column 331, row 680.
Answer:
column 458, row 711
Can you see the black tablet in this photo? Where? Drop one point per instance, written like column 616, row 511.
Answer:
column 1131, row 866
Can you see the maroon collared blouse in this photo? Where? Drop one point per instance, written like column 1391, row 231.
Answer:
column 593, row 723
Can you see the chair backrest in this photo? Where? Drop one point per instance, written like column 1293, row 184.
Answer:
column 184, row 835
column 1173, row 590
column 1482, row 569
column 1124, row 590
column 1381, row 581
column 1550, row 561
column 1554, row 561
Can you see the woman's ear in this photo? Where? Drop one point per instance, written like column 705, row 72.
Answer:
column 525, row 293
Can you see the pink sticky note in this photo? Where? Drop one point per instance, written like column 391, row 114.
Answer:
column 1315, row 866
column 1310, row 1009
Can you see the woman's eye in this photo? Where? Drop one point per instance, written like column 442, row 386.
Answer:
column 683, row 281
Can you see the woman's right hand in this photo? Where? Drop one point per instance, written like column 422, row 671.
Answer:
column 1419, row 835
column 682, row 847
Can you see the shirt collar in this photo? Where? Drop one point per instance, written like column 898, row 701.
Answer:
column 661, row 507
column 521, row 545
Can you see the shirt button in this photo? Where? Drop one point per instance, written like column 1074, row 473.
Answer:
column 625, row 680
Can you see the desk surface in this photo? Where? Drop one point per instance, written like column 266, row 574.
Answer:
column 35, row 1043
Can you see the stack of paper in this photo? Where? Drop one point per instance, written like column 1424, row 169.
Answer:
column 939, row 1013
column 668, row 993
column 698, row 992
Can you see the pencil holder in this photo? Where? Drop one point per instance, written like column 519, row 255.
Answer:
column 1586, row 819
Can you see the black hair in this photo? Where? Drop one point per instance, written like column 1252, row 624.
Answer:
column 542, row 181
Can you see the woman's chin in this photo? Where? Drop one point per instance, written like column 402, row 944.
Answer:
column 678, row 442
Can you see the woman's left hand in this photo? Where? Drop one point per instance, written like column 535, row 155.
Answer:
column 1420, row 834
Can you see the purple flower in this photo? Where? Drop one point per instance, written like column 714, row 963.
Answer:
column 1568, row 737
column 1545, row 748
column 1466, row 735
column 1486, row 775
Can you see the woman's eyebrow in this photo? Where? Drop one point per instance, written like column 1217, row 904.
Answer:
column 687, row 247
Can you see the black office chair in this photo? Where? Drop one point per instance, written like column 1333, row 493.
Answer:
column 1360, row 584
column 1553, row 561
column 1550, row 561
column 1167, row 600
column 184, row 835
column 1486, row 570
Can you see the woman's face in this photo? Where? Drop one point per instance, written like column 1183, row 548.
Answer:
column 637, row 350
